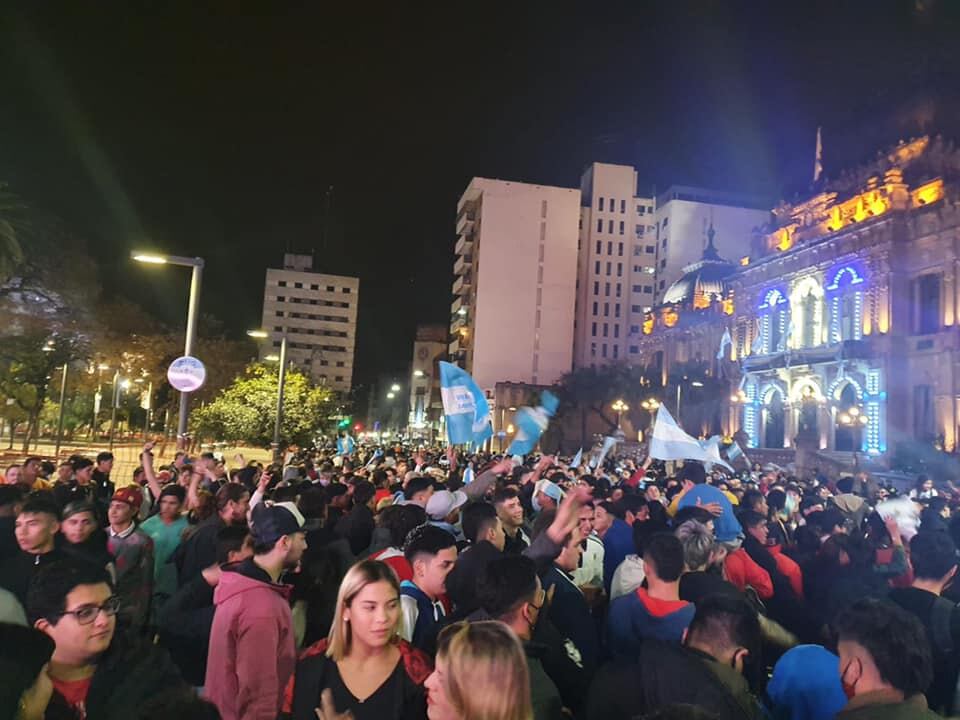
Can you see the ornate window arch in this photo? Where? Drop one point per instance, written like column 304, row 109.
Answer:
column 774, row 311
column 807, row 302
column 846, row 290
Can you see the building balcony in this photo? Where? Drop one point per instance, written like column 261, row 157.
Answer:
column 465, row 221
column 455, row 306
column 462, row 284
column 464, row 245
column 462, row 264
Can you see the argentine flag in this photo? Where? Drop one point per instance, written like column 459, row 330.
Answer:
column 531, row 422
column 577, row 459
column 465, row 406
column 670, row 442
column 345, row 445
column 608, row 442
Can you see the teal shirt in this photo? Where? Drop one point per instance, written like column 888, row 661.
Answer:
column 165, row 538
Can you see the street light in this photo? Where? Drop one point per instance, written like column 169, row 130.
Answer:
column 395, row 388
column 418, row 373
column 696, row 384
column 621, row 407
column 391, row 395
column 281, row 382
column 193, row 311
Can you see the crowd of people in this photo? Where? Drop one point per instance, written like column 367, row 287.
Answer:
column 411, row 583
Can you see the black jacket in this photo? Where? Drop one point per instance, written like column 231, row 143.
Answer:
column 356, row 528
column 665, row 674
column 127, row 675
column 17, row 571
column 198, row 551
column 184, row 622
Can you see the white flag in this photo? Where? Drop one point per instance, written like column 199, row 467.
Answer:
column 671, row 442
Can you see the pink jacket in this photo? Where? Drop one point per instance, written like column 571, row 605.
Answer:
column 252, row 648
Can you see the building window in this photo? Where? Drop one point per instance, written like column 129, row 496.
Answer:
column 641, row 210
column 621, row 227
column 599, row 226
column 637, row 288
column 281, row 298
column 616, row 350
column 609, row 268
column 314, row 287
column 599, row 247
column 609, row 248
column 606, row 328
column 339, row 378
column 596, row 268
column 623, row 206
column 664, row 243
column 282, row 283
column 637, row 250
column 340, row 363
column 593, row 349
column 926, row 294
column 636, row 309
column 593, row 329
column 543, row 209
column 665, row 221
column 618, row 289
column 619, row 269
column 346, row 290
column 616, row 310
column 603, row 350
column 595, row 308
column 634, row 349
column 639, row 230
column 648, row 288
column 279, row 313
column 663, row 263
column 298, row 285
column 607, row 288
column 638, row 268
column 619, row 249
column 616, row 332
column 651, row 249
column 600, row 204
column 650, row 208
column 606, row 309
column 662, row 283
column 634, row 329
column 596, row 287
column 330, row 288
column 610, row 226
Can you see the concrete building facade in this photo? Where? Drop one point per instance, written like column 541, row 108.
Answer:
column 615, row 281
column 426, row 408
column 512, row 315
column 318, row 314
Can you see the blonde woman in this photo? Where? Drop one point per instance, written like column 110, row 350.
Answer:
column 363, row 668
column 481, row 674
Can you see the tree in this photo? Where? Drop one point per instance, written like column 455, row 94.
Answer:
column 245, row 410
column 28, row 362
column 593, row 389
column 13, row 225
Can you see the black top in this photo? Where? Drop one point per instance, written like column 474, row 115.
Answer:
column 398, row 698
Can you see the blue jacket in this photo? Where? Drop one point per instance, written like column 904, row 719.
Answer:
column 726, row 526
column 617, row 544
column 428, row 617
column 637, row 616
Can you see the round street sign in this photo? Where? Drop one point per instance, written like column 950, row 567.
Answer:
column 186, row 374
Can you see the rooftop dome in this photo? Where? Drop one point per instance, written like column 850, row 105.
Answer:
column 705, row 278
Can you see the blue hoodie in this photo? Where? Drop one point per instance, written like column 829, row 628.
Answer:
column 726, row 526
column 806, row 685
column 637, row 616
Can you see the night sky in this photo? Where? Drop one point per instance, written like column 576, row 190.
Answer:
column 216, row 129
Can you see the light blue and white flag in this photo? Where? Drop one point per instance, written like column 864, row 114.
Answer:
column 577, row 459
column 531, row 422
column 735, row 451
column 468, row 475
column 608, row 442
column 345, row 444
column 671, row 442
column 465, row 406
column 725, row 342
column 376, row 456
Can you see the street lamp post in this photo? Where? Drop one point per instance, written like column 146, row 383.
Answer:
column 696, row 384
column 193, row 312
column 621, row 407
column 281, row 384
column 63, row 399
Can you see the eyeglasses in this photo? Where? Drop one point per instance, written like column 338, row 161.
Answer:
column 88, row 613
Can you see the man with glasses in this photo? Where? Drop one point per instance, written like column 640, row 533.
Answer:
column 95, row 673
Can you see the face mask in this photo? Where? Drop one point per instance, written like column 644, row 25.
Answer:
column 534, row 503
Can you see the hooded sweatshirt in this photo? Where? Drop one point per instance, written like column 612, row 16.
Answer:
column 637, row 616
column 252, row 647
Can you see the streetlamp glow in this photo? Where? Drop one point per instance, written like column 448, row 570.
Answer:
column 281, row 381
column 696, row 383
column 418, row 373
column 258, row 334
column 395, row 388
column 271, row 358
column 391, row 396
column 150, row 259
column 620, row 407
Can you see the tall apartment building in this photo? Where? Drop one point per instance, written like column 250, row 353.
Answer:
column 615, row 268
column 512, row 315
column 682, row 216
column 318, row 313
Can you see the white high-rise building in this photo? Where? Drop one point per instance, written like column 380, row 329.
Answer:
column 682, row 217
column 318, row 313
column 512, row 315
column 617, row 264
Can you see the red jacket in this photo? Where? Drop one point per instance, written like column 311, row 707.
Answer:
column 788, row 568
column 741, row 571
column 252, row 648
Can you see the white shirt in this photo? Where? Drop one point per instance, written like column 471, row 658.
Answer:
column 590, row 571
column 124, row 534
column 628, row 576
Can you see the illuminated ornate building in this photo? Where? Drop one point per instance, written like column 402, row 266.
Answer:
column 844, row 317
column 845, row 324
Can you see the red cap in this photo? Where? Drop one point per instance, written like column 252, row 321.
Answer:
column 130, row 495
